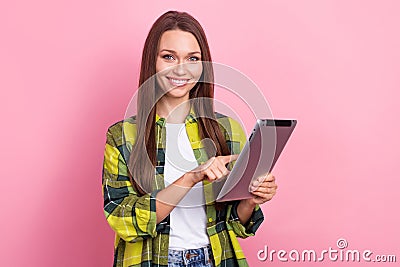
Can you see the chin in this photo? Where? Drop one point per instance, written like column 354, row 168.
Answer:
column 178, row 93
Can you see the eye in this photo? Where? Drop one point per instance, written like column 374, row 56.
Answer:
column 168, row 57
column 194, row 59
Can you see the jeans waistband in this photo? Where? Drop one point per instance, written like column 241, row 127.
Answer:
column 189, row 256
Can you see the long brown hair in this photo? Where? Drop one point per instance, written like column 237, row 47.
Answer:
column 142, row 160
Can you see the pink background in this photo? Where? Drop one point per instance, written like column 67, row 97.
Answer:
column 69, row 69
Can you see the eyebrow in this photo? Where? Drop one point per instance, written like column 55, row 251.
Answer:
column 174, row 52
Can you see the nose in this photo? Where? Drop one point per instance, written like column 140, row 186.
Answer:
column 180, row 69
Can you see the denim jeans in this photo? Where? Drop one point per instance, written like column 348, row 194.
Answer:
column 201, row 257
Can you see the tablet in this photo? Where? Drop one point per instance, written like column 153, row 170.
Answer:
column 258, row 157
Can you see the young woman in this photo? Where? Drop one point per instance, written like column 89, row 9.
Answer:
column 159, row 166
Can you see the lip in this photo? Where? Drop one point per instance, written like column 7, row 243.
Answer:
column 177, row 81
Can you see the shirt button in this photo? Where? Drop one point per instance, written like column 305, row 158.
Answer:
column 210, row 219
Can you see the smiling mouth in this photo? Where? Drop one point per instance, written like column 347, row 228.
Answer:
column 178, row 82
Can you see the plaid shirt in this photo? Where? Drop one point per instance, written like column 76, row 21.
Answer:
column 139, row 240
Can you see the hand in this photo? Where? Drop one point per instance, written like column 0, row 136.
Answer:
column 263, row 188
column 212, row 169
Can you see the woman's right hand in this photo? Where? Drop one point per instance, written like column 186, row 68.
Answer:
column 212, row 169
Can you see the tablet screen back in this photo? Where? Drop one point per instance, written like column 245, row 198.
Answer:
column 258, row 157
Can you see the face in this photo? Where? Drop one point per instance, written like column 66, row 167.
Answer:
column 178, row 63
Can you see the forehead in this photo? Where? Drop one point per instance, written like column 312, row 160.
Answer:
column 179, row 41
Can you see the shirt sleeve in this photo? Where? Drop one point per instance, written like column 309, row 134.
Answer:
column 237, row 139
column 248, row 229
column 131, row 216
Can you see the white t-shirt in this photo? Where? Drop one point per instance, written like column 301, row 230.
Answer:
column 188, row 219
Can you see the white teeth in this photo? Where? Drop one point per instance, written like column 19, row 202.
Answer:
column 178, row 82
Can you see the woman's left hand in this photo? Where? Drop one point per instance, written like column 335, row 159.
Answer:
column 263, row 189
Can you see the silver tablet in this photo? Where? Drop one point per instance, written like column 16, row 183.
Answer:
column 259, row 155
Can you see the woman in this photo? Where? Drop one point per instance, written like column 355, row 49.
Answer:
column 159, row 165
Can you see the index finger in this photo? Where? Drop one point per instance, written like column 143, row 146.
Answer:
column 269, row 177
column 229, row 158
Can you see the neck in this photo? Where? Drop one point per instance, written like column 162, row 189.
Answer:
column 174, row 110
